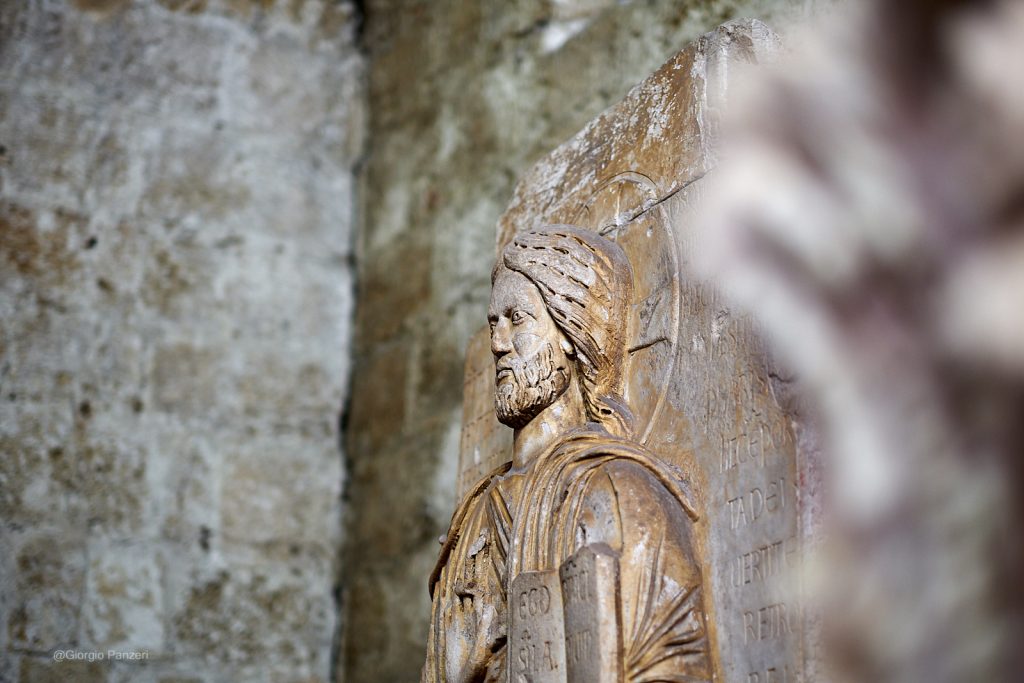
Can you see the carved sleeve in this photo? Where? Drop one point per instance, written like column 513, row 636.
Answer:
column 467, row 610
column 663, row 622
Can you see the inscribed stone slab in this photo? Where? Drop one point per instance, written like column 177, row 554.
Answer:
column 590, row 598
column 536, row 634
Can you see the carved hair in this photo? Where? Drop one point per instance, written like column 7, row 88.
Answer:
column 587, row 285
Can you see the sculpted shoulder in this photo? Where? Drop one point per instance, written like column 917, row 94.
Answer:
column 623, row 500
column 640, row 485
column 463, row 518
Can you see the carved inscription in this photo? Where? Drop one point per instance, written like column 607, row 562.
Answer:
column 763, row 563
column 758, row 438
column 753, row 507
column 536, row 640
column 590, row 590
column 765, row 623
column 770, row 675
column 758, row 501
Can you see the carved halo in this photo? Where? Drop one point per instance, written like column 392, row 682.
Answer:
column 625, row 208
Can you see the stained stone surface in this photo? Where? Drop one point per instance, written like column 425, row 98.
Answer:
column 176, row 292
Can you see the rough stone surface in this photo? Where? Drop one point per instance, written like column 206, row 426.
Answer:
column 176, row 291
column 465, row 98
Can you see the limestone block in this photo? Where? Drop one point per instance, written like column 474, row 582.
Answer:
column 381, row 407
column 272, row 84
column 281, row 295
column 376, row 597
column 162, row 671
column 266, row 622
column 48, row 583
column 434, row 374
column 312, row 408
column 8, row 595
column 281, row 488
column 123, row 605
column 126, row 56
column 192, row 178
column 185, row 378
column 41, row 357
column 417, row 508
column 9, row 667
column 41, row 247
column 304, row 196
column 175, row 285
column 39, row 670
column 113, row 491
column 189, row 468
column 457, row 255
column 46, row 163
column 37, row 470
column 387, row 307
column 166, row 80
column 109, row 365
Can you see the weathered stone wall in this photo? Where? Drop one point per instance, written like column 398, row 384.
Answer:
column 176, row 293
column 465, row 97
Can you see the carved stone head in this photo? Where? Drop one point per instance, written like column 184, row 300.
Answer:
column 560, row 295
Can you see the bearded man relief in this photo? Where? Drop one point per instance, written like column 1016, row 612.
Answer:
column 578, row 492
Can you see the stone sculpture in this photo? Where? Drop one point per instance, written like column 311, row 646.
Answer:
column 576, row 560
column 638, row 379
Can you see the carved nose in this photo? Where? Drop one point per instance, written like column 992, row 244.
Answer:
column 501, row 340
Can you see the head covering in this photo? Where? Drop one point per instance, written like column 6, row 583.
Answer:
column 587, row 285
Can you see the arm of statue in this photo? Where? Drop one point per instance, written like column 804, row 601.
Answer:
column 486, row 653
column 467, row 635
column 663, row 622
column 467, row 625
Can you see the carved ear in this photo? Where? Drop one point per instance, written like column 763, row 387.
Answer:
column 567, row 347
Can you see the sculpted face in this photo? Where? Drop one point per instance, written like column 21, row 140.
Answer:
column 532, row 369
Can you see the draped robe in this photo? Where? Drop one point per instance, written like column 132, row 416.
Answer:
column 589, row 487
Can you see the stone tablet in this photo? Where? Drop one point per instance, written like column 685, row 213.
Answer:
column 590, row 598
column 536, row 633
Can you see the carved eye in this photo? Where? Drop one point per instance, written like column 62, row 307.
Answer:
column 518, row 318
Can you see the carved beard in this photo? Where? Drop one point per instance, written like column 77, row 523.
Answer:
column 534, row 385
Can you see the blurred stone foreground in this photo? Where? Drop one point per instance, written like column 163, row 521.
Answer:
column 869, row 209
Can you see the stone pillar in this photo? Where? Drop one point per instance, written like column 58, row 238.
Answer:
column 176, row 294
